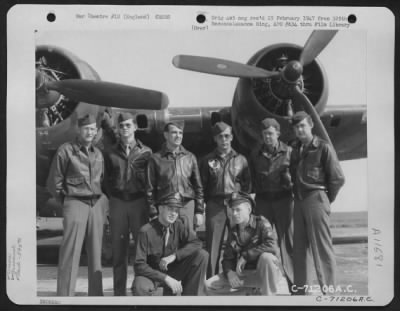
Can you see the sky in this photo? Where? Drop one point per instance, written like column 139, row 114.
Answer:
column 144, row 59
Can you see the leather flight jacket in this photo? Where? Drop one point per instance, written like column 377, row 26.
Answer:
column 258, row 237
column 125, row 174
column 222, row 176
column 169, row 173
column 316, row 168
column 271, row 171
column 76, row 172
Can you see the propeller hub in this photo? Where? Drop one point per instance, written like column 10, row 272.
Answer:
column 292, row 71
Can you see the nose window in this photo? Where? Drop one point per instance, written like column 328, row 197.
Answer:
column 215, row 117
column 142, row 121
column 335, row 121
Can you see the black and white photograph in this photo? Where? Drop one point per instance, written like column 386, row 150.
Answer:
column 216, row 154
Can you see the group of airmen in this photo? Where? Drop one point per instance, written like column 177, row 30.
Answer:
column 267, row 215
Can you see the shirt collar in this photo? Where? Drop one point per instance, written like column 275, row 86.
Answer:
column 161, row 227
column 131, row 144
column 78, row 145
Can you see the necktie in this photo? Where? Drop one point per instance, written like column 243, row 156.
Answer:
column 166, row 236
column 127, row 149
column 86, row 150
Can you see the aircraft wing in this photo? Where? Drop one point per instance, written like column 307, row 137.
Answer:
column 347, row 128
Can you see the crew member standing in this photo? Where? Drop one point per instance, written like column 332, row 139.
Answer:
column 273, row 188
column 223, row 171
column 125, row 167
column 317, row 177
column 172, row 170
column 75, row 180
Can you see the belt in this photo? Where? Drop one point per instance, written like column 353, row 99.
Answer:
column 303, row 193
column 88, row 199
column 274, row 195
column 220, row 198
column 126, row 196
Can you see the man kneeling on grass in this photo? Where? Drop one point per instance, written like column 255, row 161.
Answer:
column 249, row 261
column 169, row 254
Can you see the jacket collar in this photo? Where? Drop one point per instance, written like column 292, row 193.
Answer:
column 281, row 148
column 315, row 142
column 231, row 153
column 252, row 223
column 164, row 150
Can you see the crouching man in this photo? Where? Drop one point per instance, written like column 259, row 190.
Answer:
column 249, row 262
column 169, row 254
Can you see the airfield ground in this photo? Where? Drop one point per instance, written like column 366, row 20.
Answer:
column 351, row 259
column 349, row 232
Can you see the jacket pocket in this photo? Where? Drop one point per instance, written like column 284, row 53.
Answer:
column 75, row 181
column 315, row 174
column 75, row 185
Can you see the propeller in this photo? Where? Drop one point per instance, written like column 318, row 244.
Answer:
column 290, row 74
column 317, row 41
column 220, row 67
column 109, row 94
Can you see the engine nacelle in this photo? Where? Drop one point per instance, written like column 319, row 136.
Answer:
column 257, row 99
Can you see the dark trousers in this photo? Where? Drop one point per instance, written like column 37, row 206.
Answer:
column 125, row 217
column 312, row 236
column 191, row 271
column 280, row 214
column 216, row 223
column 82, row 221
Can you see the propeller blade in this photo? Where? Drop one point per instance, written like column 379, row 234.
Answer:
column 46, row 99
column 317, row 41
column 308, row 107
column 109, row 94
column 220, row 67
